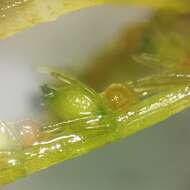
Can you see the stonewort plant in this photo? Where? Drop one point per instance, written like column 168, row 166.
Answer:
column 80, row 119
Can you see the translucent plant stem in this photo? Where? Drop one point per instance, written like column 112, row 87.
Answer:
column 159, row 83
column 19, row 15
column 153, row 110
column 94, row 132
column 75, row 134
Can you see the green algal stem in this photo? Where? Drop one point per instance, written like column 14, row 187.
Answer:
column 76, row 133
column 152, row 111
column 109, row 128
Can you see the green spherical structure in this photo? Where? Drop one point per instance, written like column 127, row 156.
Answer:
column 72, row 100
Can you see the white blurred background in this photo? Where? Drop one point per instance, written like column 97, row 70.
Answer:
column 155, row 159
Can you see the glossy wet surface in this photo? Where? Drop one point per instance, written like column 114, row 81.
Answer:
column 154, row 159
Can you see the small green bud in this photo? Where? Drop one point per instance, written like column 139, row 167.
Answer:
column 70, row 99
